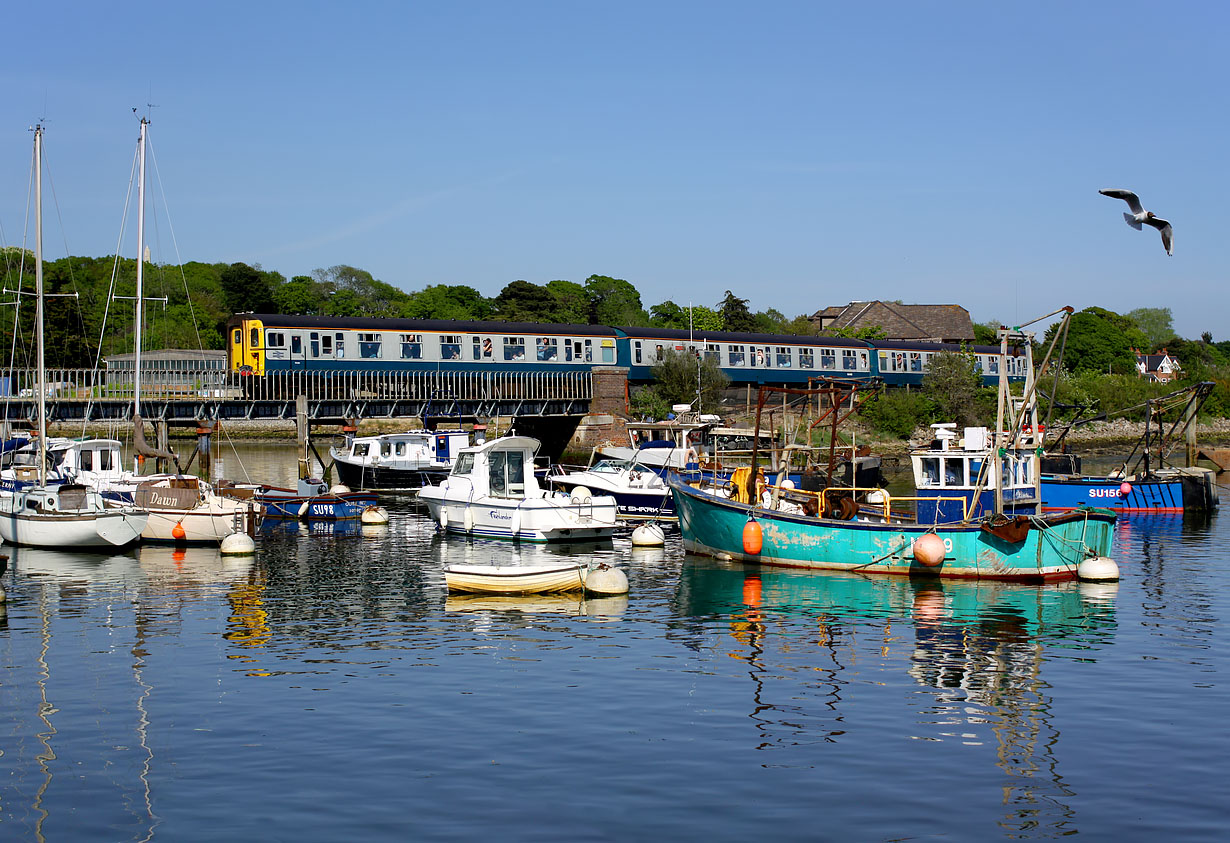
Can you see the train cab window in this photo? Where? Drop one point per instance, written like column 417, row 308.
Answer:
column 256, row 338
column 339, row 344
column 370, row 346
column 828, row 359
column 450, row 347
column 783, row 357
column 735, row 356
column 636, row 352
column 806, row 360
column 547, row 348
column 608, row 351
column 411, row 346
column 514, row 348
column 314, row 340
column 296, row 344
column 238, row 336
column 713, row 352
column 275, row 339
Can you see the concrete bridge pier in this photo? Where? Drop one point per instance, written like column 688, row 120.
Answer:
column 607, row 420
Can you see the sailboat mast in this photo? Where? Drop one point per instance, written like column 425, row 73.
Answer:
column 138, row 317
column 40, row 380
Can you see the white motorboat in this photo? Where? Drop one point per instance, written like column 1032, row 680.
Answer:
column 59, row 516
column 492, row 492
column 397, row 461
column 639, row 491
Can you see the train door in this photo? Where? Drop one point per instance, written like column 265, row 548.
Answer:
column 248, row 347
column 298, row 359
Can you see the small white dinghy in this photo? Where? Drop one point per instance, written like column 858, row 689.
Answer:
column 535, row 579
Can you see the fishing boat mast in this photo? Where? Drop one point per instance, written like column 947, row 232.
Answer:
column 41, row 376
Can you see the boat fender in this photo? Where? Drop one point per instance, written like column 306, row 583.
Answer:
column 303, row 509
column 443, row 518
column 606, row 579
column 753, row 537
column 581, row 494
column 374, row 515
column 929, row 550
column 1097, row 569
column 516, row 522
column 648, row 535
column 467, row 520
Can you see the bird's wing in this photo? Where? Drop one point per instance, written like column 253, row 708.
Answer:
column 1167, row 233
column 1127, row 196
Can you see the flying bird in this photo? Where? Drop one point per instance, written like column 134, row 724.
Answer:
column 1139, row 215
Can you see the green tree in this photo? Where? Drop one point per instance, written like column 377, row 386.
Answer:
column 1097, row 342
column 676, row 377
column 987, row 333
column 522, row 301
column 443, row 301
column 954, row 386
column 613, row 301
column 571, row 303
column 1155, row 323
column 668, row 315
column 245, row 289
column 301, row 296
column 735, row 315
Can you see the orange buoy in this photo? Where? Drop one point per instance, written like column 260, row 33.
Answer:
column 178, row 532
column 929, row 550
column 753, row 537
column 1125, row 489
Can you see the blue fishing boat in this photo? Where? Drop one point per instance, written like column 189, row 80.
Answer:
column 832, row 530
column 313, row 501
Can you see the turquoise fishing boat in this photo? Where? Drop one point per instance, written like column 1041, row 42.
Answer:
column 750, row 524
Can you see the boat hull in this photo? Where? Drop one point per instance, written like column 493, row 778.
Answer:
column 715, row 526
column 95, row 531
column 387, row 479
column 1188, row 491
column 536, row 520
column 515, row 579
column 343, row 507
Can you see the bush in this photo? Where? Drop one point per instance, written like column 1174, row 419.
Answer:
column 898, row 413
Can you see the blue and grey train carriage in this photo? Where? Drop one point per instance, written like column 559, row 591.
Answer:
column 904, row 362
column 748, row 358
column 258, row 344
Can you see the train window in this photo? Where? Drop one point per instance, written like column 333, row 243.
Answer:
column 315, row 342
column 256, row 338
column 916, row 361
column 326, row 345
column 411, row 346
column 979, row 365
column 658, row 353
column 783, row 357
column 547, row 348
column 608, row 351
column 339, row 344
column 370, row 346
column 993, row 368
column 589, row 351
column 275, row 339
column 761, row 357
column 636, row 352
column 238, row 336
column 296, row 344
column 450, row 347
column 514, row 348
column 862, row 362
column 713, row 352
column 828, row 358
column 735, row 356
column 806, row 360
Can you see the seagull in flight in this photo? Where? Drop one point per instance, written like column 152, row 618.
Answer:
column 1139, row 215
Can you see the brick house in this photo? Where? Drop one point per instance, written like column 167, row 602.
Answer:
column 923, row 322
column 1160, row 367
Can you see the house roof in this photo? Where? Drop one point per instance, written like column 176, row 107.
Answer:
column 934, row 322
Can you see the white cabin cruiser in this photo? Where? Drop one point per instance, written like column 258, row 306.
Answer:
column 492, row 492
column 397, row 461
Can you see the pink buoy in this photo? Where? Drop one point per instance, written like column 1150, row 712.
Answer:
column 1125, row 489
column 929, row 550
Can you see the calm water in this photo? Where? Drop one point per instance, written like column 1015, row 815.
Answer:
column 330, row 689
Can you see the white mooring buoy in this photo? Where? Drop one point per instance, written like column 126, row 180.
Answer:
column 339, row 489
column 238, row 544
column 648, row 534
column 605, row 579
column 374, row 515
column 1098, row 569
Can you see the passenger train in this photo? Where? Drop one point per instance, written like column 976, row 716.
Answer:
column 260, row 344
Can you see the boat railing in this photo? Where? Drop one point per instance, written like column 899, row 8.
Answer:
column 886, row 503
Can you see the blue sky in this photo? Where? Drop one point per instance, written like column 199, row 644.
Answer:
column 799, row 154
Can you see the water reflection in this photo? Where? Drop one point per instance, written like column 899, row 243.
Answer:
column 977, row 650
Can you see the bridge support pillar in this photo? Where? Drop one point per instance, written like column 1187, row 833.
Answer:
column 608, row 410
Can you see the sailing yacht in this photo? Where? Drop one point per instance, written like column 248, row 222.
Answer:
column 183, row 508
column 67, row 515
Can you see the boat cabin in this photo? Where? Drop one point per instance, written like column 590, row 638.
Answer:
column 949, row 477
column 501, row 468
